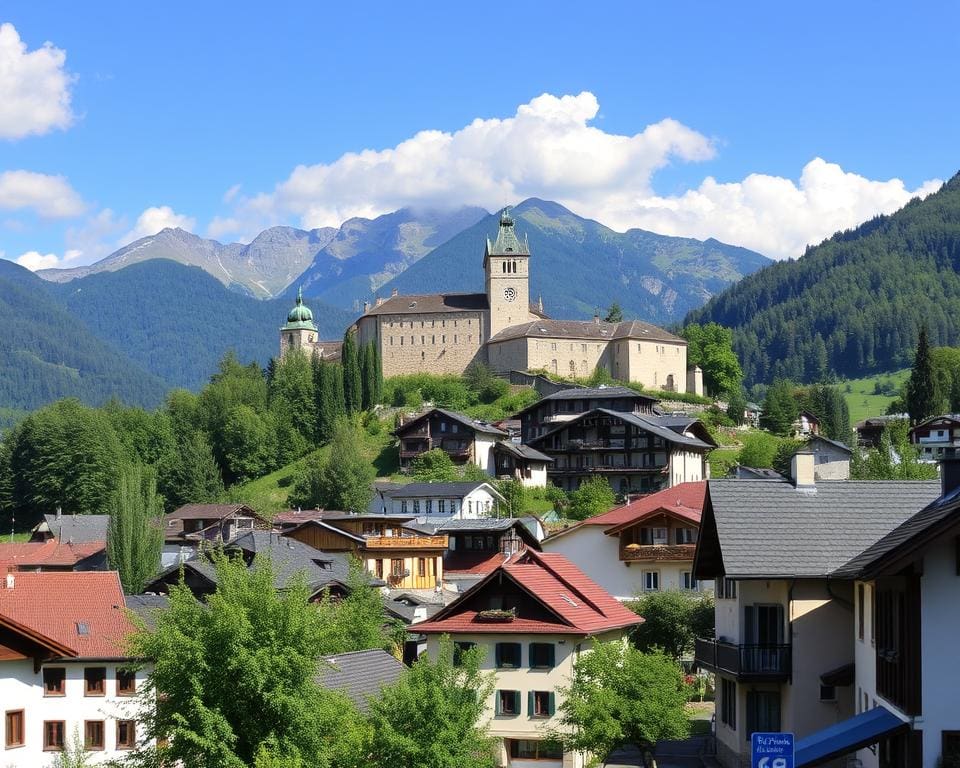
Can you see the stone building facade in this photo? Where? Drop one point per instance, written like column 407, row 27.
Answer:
column 445, row 333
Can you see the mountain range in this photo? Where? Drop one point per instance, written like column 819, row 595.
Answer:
column 854, row 304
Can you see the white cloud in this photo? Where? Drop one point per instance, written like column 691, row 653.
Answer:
column 49, row 196
column 155, row 218
column 34, row 260
column 34, row 87
column 548, row 149
column 770, row 214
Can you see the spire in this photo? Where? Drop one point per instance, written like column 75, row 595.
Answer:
column 299, row 295
column 507, row 243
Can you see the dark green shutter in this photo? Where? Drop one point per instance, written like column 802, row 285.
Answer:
column 499, row 653
column 496, row 702
column 516, row 702
column 552, row 707
column 530, row 710
column 551, row 656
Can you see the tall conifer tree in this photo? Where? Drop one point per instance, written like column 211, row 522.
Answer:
column 352, row 382
column 921, row 386
column 135, row 532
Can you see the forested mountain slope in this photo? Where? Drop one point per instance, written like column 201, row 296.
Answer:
column 46, row 354
column 855, row 303
column 178, row 321
column 579, row 265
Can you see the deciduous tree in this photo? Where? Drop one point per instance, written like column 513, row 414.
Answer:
column 593, row 497
column 672, row 620
column 338, row 478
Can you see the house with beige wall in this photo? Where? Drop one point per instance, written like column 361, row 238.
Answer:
column 781, row 653
column 534, row 615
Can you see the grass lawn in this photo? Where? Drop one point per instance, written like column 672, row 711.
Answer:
column 20, row 537
column 861, row 399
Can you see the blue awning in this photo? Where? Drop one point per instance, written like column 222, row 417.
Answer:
column 843, row 738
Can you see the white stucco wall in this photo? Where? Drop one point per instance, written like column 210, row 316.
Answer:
column 21, row 688
column 865, row 653
column 483, row 452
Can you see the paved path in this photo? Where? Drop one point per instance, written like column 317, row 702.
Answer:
column 670, row 754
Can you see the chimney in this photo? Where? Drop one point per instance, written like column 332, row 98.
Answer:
column 394, row 292
column 366, row 307
column 596, row 318
column 949, row 471
column 801, row 469
column 59, row 512
column 379, row 300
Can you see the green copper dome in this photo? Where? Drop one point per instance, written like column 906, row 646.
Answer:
column 300, row 316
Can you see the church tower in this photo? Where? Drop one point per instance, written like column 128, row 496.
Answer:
column 299, row 331
column 505, row 265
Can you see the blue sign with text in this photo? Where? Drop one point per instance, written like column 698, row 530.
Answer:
column 771, row 750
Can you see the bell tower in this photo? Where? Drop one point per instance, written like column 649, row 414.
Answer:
column 506, row 268
column 299, row 332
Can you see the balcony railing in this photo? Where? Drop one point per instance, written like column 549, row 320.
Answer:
column 406, row 542
column 745, row 662
column 657, row 552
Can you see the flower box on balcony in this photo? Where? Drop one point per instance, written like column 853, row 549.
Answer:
column 497, row 616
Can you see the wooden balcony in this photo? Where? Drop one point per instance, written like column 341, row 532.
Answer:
column 406, row 542
column 659, row 553
column 758, row 663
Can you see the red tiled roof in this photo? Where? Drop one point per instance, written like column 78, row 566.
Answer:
column 478, row 563
column 577, row 604
column 53, row 604
column 684, row 500
column 50, row 553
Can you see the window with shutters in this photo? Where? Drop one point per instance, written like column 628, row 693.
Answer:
column 508, row 655
column 53, row 735
column 13, row 722
column 126, row 734
column 728, row 702
column 542, row 656
column 508, row 702
column 541, row 703
column 93, row 738
column 763, row 712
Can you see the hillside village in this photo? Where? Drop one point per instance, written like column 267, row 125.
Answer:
column 426, row 505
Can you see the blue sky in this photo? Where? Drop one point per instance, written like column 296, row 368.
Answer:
column 143, row 115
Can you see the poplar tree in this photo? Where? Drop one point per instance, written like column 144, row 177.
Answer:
column 352, row 382
column 921, row 386
column 135, row 531
column 328, row 394
column 377, row 374
column 371, row 395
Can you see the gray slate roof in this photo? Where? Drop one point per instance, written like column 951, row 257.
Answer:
column 80, row 529
column 521, row 451
column 416, row 304
column 474, row 425
column 769, row 528
column 591, row 393
column 359, row 675
column 147, row 607
column 668, row 427
column 586, row 329
column 942, row 510
column 835, row 443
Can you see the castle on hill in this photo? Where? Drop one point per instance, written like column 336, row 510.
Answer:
column 446, row 332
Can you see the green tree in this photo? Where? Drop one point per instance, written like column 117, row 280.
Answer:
column 487, row 385
column 434, row 466
column 191, row 474
column 923, row 400
column 291, row 392
column 223, row 709
column 430, row 718
column 6, row 480
column 515, row 494
column 710, row 346
column 759, row 450
column 620, row 695
column 368, row 370
column 328, row 392
column 780, row 409
column 135, row 531
column 339, row 477
column 894, row 459
column 250, row 443
column 593, row 497
column 672, row 620
column 614, row 314
column 74, row 754
column 736, row 407
column 352, row 381
column 358, row 621
column 64, row 455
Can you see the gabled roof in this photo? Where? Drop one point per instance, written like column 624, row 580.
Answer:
column 523, row 452
column 359, row 675
column 754, row 473
column 48, row 554
column 429, row 303
column 573, row 602
column 474, row 425
column 440, row 525
column 946, row 419
column 754, row 529
column 78, row 529
column 440, row 490
column 592, row 330
column 670, row 428
column 835, row 443
column 908, row 538
column 83, row 613
column 211, row 512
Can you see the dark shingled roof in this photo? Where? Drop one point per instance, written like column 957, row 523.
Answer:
column 425, row 304
column 771, row 529
column 438, row 490
column 586, row 329
column 209, row 511
column 590, row 393
column 359, row 675
column 80, row 529
column 835, row 443
column 461, row 418
column 919, row 529
column 147, row 607
column 522, row 451
column 670, row 428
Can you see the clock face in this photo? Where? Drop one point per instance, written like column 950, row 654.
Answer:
column 509, row 293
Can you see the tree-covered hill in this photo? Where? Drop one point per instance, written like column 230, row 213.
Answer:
column 854, row 304
column 46, row 354
column 177, row 321
column 579, row 265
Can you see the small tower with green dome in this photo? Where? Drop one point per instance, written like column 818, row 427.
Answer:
column 299, row 332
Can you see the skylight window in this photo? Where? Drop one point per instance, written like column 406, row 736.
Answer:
column 569, row 600
column 83, row 628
